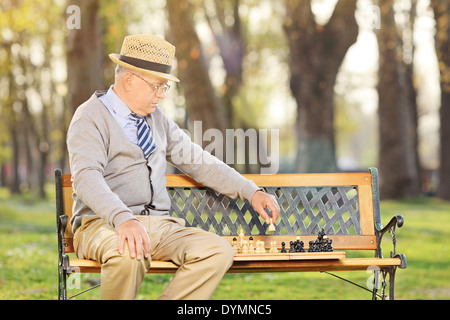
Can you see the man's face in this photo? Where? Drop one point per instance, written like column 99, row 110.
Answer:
column 146, row 92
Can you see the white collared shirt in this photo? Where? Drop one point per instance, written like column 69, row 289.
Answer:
column 121, row 113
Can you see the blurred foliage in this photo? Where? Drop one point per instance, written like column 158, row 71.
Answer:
column 33, row 72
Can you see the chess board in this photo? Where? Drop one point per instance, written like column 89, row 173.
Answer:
column 335, row 255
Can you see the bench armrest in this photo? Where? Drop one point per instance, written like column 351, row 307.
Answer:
column 396, row 221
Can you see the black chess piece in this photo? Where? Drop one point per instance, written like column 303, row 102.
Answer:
column 302, row 246
column 330, row 246
column 283, row 247
column 291, row 247
column 297, row 246
column 311, row 246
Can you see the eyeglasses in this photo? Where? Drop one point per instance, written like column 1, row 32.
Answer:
column 160, row 89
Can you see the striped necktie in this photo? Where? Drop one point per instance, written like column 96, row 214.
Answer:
column 144, row 135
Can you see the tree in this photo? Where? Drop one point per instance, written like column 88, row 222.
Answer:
column 441, row 11
column 85, row 53
column 399, row 176
column 30, row 100
column 201, row 100
column 316, row 54
column 229, row 38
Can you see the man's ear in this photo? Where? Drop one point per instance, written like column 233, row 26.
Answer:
column 127, row 81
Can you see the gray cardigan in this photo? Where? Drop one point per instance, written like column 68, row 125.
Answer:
column 111, row 178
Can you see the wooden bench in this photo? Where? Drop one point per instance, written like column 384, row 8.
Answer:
column 345, row 205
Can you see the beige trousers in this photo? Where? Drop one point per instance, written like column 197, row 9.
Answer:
column 203, row 258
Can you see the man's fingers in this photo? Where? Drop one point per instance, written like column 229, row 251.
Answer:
column 262, row 212
column 146, row 242
column 122, row 239
column 131, row 246
column 275, row 209
column 261, row 201
column 135, row 235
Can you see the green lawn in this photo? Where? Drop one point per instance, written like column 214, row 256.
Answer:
column 28, row 259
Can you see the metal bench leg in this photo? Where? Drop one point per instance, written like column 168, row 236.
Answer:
column 62, row 284
column 376, row 275
column 385, row 272
column 391, row 282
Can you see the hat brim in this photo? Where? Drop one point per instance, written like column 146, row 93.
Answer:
column 115, row 58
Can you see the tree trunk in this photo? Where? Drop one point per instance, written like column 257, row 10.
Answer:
column 12, row 123
column 231, row 44
column 85, row 54
column 201, row 100
column 399, row 177
column 316, row 54
column 442, row 42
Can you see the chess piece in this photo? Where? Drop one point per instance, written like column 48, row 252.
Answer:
column 311, row 246
column 283, row 247
column 251, row 246
column 291, row 247
column 235, row 246
column 273, row 247
column 241, row 237
column 260, row 247
column 301, row 247
column 245, row 246
column 271, row 226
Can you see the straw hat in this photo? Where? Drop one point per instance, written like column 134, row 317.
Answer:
column 148, row 54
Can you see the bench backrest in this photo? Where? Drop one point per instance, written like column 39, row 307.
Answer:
column 345, row 205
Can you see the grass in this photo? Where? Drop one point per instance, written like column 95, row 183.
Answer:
column 28, row 259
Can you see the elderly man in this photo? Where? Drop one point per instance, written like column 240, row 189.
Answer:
column 119, row 143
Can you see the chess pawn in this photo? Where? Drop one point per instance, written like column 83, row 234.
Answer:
column 235, row 246
column 283, row 247
column 251, row 247
column 245, row 246
column 257, row 247
column 271, row 226
column 302, row 246
column 311, row 246
column 260, row 247
column 273, row 247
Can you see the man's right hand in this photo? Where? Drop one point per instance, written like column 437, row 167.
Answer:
column 137, row 238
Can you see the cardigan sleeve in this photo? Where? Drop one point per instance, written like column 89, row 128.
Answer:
column 204, row 167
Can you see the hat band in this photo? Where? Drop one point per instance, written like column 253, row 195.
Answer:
column 148, row 65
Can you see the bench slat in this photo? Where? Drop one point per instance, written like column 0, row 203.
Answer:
column 288, row 180
column 89, row 266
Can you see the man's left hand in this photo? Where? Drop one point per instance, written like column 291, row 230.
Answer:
column 261, row 201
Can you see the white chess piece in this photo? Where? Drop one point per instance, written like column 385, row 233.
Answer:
column 271, row 226
column 245, row 246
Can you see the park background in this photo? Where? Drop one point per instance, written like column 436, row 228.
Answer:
column 349, row 84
